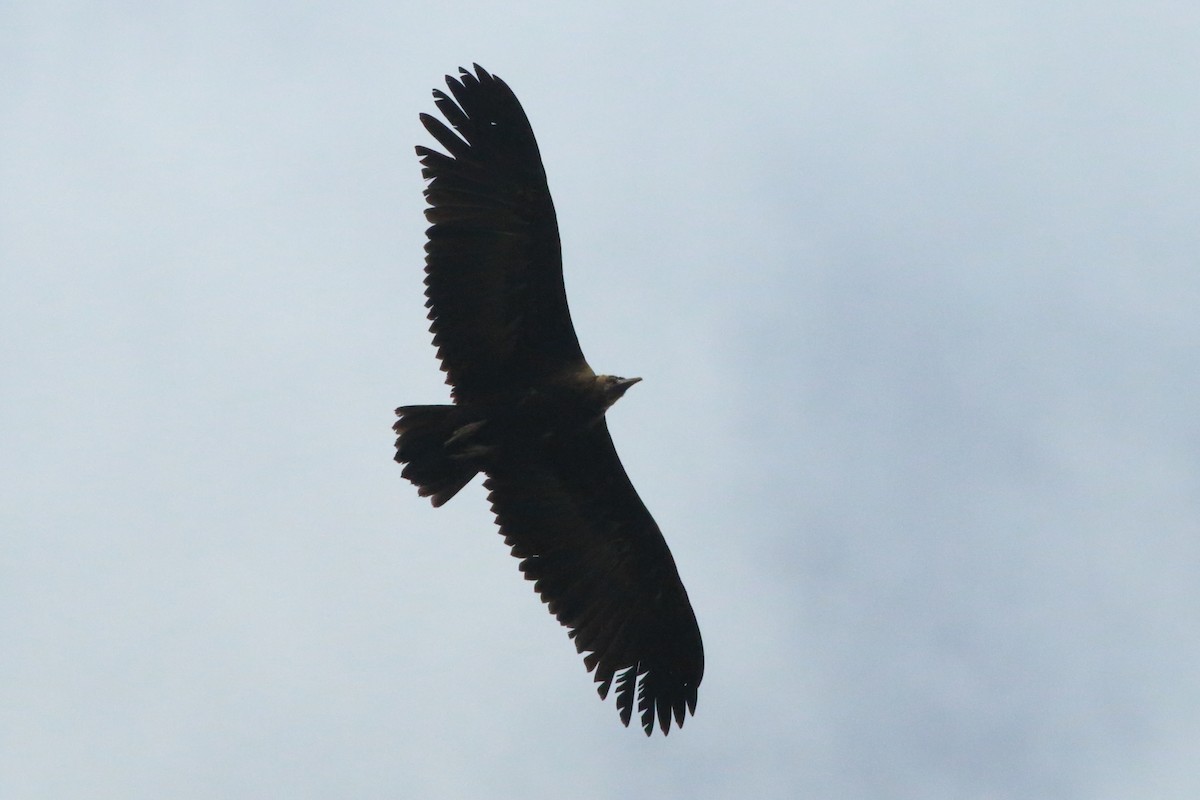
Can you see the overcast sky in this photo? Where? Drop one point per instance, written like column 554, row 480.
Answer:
column 914, row 290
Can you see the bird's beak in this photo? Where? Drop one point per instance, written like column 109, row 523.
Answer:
column 625, row 383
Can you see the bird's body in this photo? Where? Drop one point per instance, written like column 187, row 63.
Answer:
column 529, row 410
column 471, row 437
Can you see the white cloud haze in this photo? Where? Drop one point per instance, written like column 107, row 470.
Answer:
column 914, row 292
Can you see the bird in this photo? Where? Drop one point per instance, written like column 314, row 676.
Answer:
column 529, row 412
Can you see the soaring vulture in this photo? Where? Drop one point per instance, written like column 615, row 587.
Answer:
column 529, row 412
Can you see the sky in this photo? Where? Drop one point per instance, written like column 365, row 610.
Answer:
column 913, row 291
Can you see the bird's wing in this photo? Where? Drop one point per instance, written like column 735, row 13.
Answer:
column 570, row 513
column 493, row 265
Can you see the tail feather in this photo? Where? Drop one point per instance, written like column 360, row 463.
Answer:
column 424, row 433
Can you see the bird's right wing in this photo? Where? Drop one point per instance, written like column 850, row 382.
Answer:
column 494, row 283
column 568, row 510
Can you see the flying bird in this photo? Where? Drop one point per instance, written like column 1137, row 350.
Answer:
column 528, row 411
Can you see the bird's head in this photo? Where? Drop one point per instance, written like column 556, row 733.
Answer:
column 614, row 388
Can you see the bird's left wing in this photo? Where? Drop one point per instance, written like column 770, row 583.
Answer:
column 568, row 510
column 493, row 266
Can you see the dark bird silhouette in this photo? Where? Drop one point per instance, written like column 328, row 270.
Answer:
column 529, row 412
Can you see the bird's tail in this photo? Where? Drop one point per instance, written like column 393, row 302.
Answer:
column 423, row 446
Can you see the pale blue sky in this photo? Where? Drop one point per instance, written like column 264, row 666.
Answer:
column 914, row 291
